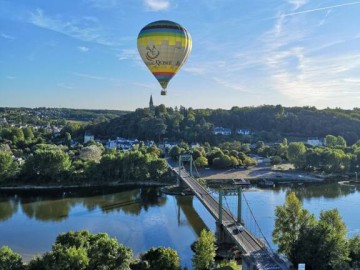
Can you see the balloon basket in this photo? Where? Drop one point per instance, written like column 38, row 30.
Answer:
column 163, row 92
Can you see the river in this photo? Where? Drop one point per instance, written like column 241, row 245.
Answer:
column 142, row 218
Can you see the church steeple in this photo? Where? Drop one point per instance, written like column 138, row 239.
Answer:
column 151, row 104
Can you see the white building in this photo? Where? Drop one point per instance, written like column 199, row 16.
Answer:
column 315, row 141
column 88, row 137
column 222, row 131
column 240, row 131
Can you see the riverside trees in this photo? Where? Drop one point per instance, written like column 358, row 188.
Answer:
column 321, row 244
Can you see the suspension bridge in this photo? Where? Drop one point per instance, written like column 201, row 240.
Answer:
column 256, row 255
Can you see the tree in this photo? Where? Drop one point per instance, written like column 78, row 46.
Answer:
column 333, row 251
column 290, row 219
column 92, row 152
column 107, row 253
column 275, row 160
column 227, row 265
column 201, row 162
column 330, row 141
column 28, row 133
column 162, row 259
column 326, row 239
column 84, row 251
column 296, row 153
column 9, row 260
column 47, row 164
column 7, row 165
column 205, row 251
column 67, row 139
column 354, row 247
column 175, row 152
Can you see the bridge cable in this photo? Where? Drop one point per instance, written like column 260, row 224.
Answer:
column 232, row 216
column 196, row 170
column 252, row 214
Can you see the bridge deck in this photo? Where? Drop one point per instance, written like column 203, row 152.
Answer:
column 247, row 243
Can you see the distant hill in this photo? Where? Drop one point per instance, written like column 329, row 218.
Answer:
column 42, row 113
column 268, row 123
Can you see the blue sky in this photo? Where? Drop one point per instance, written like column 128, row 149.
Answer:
column 83, row 54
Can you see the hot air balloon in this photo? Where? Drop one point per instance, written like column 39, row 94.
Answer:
column 164, row 47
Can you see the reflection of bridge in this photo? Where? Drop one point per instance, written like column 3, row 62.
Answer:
column 255, row 255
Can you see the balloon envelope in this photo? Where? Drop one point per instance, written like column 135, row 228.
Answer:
column 164, row 47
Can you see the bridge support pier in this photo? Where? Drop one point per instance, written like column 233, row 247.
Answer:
column 221, row 235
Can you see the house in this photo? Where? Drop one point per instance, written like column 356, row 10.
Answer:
column 3, row 121
column 222, row 131
column 111, row 144
column 88, row 137
column 195, row 145
column 314, row 141
column 241, row 131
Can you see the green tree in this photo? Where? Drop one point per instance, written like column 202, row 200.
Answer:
column 201, row 162
column 7, row 166
column 205, row 251
column 107, row 253
column 84, row 251
column 290, row 219
column 28, row 133
column 92, row 152
column 67, row 139
column 296, row 153
column 47, row 164
column 275, row 160
column 354, row 247
column 9, row 260
column 330, row 141
column 157, row 168
column 162, row 259
column 333, row 246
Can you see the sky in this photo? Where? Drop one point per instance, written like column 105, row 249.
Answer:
column 83, row 54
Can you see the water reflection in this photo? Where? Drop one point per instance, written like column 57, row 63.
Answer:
column 8, row 206
column 57, row 206
column 185, row 203
column 327, row 191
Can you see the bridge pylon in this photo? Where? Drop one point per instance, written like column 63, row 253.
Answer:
column 239, row 205
column 182, row 158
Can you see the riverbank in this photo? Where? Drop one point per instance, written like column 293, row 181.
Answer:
column 88, row 185
column 269, row 173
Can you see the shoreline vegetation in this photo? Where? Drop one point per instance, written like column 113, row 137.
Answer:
column 254, row 175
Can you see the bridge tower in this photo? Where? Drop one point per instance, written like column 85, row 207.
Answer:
column 182, row 158
column 220, row 232
column 239, row 204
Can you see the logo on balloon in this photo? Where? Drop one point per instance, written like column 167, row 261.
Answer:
column 152, row 53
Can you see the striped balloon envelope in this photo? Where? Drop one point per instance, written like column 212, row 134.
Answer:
column 164, row 47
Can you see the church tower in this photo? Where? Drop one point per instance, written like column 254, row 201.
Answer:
column 151, row 104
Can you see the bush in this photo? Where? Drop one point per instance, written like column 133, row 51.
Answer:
column 9, row 260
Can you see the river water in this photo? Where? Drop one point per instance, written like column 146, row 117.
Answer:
column 142, row 218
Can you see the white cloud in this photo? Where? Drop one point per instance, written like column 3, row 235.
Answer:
column 83, row 49
column 65, row 86
column 127, row 54
column 157, row 5
column 103, row 4
column 84, row 29
column 7, row 36
column 95, row 77
column 297, row 3
column 320, row 9
column 195, row 70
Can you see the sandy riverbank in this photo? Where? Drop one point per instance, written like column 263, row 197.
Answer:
column 260, row 172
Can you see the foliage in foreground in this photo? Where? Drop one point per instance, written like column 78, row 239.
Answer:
column 320, row 244
column 205, row 251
